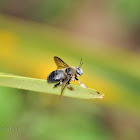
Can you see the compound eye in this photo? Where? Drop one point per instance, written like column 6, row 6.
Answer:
column 79, row 72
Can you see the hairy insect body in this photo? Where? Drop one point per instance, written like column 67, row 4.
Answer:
column 56, row 76
column 61, row 74
column 72, row 72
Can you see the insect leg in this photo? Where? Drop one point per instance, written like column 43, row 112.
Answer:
column 56, row 85
column 81, row 84
column 69, row 87
column 65, row 82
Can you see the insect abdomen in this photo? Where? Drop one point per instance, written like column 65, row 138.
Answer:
column 56, row 76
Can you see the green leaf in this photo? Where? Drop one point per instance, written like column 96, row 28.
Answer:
column 41, row 85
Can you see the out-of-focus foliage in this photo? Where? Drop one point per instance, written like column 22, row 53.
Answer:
column 11, row 104
column 49, row 10
column 128, row 11
column 46, row 10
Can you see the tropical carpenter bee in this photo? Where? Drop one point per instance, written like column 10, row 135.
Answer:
column 65, row 74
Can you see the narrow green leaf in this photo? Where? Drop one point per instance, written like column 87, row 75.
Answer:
column 41, row 85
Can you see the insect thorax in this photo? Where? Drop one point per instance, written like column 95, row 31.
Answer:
column 70, row 70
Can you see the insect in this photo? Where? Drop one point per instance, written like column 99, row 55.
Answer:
column 65, row 74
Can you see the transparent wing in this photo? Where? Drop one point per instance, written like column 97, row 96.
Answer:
column 60, row 63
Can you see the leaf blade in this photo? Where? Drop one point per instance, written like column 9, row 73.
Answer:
column 40, row 85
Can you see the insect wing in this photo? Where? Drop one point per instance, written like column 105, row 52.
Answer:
column 60, row 63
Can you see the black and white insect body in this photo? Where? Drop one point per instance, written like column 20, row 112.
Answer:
column 65, row 74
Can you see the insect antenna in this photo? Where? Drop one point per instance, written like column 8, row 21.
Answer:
column 81, row 63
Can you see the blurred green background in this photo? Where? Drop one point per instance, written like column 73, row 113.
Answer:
column 105, row 34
